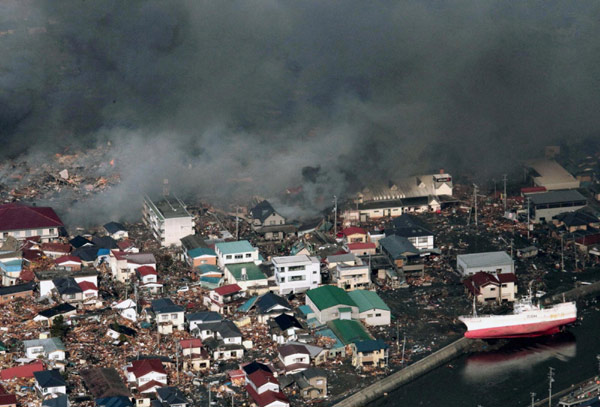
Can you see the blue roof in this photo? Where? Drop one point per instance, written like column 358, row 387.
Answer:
column 370, row 345
column 270, row 300
column 117, row 401
column 245, row 307
column 201, row 251
column 243, row 246
column 12, row 265
column 103, row 252
column 208, row 268
column 305, row 310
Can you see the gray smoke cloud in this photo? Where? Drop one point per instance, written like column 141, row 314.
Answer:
column 233, row 99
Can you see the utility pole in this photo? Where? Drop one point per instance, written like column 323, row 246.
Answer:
column 237, row 224
column 504, row 179
column 575, row 250
column 550, row 381
column 511, row 248
column 475, row 202
column 335, row 217
column 403, row 347
column 528, row 209
column 532, row 399
column 598, row 358
column 562, row 254
column 177, row 359
column 209, row 401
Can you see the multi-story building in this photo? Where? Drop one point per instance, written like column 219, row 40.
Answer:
column 168, row 219
column 236, row 252
column 296, row 273
column 352, row 277
column 547, row 205
column 21, row 222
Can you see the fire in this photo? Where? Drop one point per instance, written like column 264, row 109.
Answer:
column 112, row 162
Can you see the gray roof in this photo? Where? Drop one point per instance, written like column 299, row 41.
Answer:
column 66, row 285
column 169, row 207
column 486, row 259
column 556, row 197
column 205, row 317
column 49, row 344
column 60, row 401
column 262, row 211
column 171, row 395
column 340, row 258
column 165, row 305
column 49, row 378
column 398, row 246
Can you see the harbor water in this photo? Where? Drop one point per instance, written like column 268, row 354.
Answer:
column 507, row 376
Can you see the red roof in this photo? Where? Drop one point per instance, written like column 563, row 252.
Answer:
column 22, row 371
column 237, row 374
column 68, row 259
column 32, row 255
column 532, row 190
column 266, row 398
column 87, row 285
column 190, row 343
column 27, row 275
column 261, row 377
column 7, row 399
column 119, row 254
column 353, row 230
column 56, row 247
column 150, row 385
column 228, row 289
column 142, row 367
column 125, row 244
column 507, row 278
column 146, row 271
column 19, row 217
column 361, row 246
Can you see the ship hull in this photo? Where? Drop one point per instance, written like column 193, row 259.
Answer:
column 528, row 330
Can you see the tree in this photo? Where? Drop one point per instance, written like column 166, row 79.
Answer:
column 59, row 327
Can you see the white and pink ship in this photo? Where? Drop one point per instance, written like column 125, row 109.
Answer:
column 527, row 320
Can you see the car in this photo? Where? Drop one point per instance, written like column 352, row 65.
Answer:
column 183, row 289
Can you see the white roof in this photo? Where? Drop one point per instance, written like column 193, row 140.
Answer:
column 552, row 175
column 485, row 259
column 300, row 259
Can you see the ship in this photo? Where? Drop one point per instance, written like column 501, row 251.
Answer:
column 526, row 320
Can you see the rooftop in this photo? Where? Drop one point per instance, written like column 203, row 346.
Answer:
column 367, row 300
column 329, row 296
column 349, row 331
column 485, row 259
column 301, row 259
column 556, row 197
column 242, row 246
column 18, row 217
column 253, row 272
column 168, row 207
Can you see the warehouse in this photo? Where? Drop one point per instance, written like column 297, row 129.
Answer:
column 549, row 204
column 491, row 262
column 551, row 175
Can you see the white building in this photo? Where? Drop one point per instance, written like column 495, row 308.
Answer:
column 551, row 175
column 50, row 348
column 236, row 252
column 491, row 262
column 547, row 205
column 296, row 273
column 371, row 308
column 168, row 219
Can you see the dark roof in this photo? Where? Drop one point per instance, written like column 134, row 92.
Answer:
column 17, row 217
column 104, row 382
column 262, row 211
column 19, row 288
column 105, row 242
column 556, row 197
column 398, row 246
column 49, row 378
column 270, row 300
column 577, row 218
column 60, row 401
column 118, row 401
column 66, row 285
column 205, row 316
column 370, row 345
column 171, row 395
column 190, row 242
column 290, row 349
column 254, row 366
column 227, row 329
column 164, row 305
column 285, row 321
column 408, row 225
column 313, row 372
column 79, row 241
column 59, row 309
column 122, row 329
column 86, row 253
column 114, row 227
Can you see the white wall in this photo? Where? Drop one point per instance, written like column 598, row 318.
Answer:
column 370, row 317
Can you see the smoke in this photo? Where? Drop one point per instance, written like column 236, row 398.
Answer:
column 234, row 99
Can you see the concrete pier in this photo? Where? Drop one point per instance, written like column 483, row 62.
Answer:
column 409, row 373
column 574, row 294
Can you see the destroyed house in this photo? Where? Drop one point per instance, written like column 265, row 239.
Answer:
column 6, row 399
column 574, row 221
column 21, row 222
column 47, row 278
column 284, row 328
column 60, row 401
column 170, row 397
column 23, row 371
column 55, row 250
column 48, row 315
column 12, row 292
column 50, row 348
column 104, row 382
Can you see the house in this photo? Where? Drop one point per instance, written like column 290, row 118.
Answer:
column 200, row 318
column 55, row 250
column 318, row 354
column 193, row 355
column 294, row 358
column 285, row 328
column 349, row 331
column 103, row 382
column 127, row 309
column 50, row 348
column 23, row 371
column 488, row 287
column 399, row 250
column 146, row 374
column 11, row 266
column 270, row 305
column 167, row 315
column 263, row 388
column 123, row 265
column 411, row 227
column 491, row 262
column 168, row 220
column 170, row 397
column 48, row 315
column 221, row 351
column 148, row 278
column 49, row 382
column 225, row 331
column 199, row 256
column 551, row 175
column 312, row 383
column 575, row 221
column 263, row 214
column 362, row 249
column 371, row 308
column 56, row 401
column 47, row 278
column 70, row 263
column 105, row 242
column 21, row 222
column 236, row 252
column 224, row 299
column 68, row 290
column 354, row 235
column 115, row 331
column 6, row 399
column 527, row 252
column 370, row 353
column 246, row 275
column 116, row 230
column 115, row 401
column 296, row 273
column 330, row 302
column 12, row 292
column 352, row 277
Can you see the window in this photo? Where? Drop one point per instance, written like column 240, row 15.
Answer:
column 297, row 278
column 423, row 239
column 504, row 285
column 296, row 268
column 248, row 255
column 492, row 288
column 369, row 315
column 378, row 315
column 239, row 256
column 228, row 257
column 315, row 272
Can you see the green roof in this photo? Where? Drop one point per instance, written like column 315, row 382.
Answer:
column 252, row 271
column 367, row 300
column 201, row 251
column 208, row 268
column 243, row 246
column 329, row 296
column 349, row 330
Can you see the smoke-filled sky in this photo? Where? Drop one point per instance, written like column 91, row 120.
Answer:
column 213, row 94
